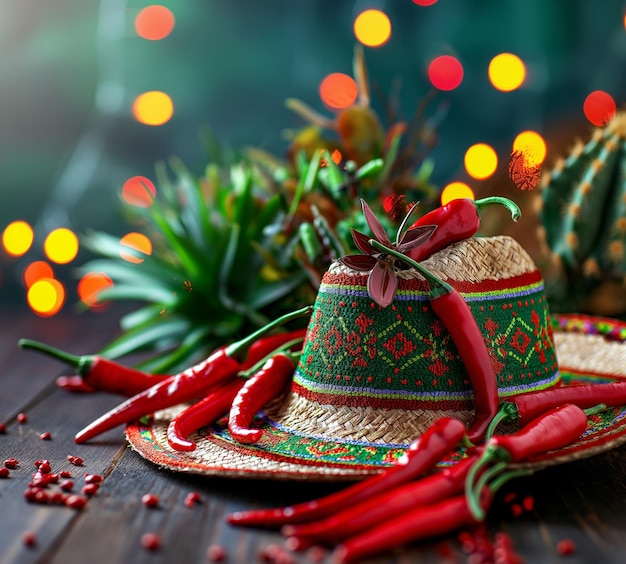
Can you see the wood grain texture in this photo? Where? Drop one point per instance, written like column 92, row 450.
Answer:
column 583, row 501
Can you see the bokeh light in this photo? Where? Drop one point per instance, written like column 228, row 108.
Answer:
column 599, row 107
column 445, row 72
column 17, row 238
column 532, row 146
column 424, row 2
column 36, row 271
column 507, row 72
column 138, row 191
column 456, row 190
column 153, row 108
column 480, row 161
column 372, row 28
column 61, row 245
column 89, row 286
column 46, row 297
column 338, row 91
column 154, row 22
column 138, row 242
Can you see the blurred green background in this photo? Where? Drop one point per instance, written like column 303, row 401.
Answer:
column 71, row 69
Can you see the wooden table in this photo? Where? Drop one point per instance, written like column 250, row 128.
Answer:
column 582, row 501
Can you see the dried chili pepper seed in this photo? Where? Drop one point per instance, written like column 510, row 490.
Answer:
column 11, row 463
column 22, row 418
column 151, row 541
column 45, row 467
column 29, row 538
column 192, row 498
column 3, row 428
column 67, row 485
column 75, row 501
column 93, row 479
column 150, row 500
column 45, row 436
column 65, row 474
column 566, row 547
column 75, row 460
column 216, row 553
column 4, row 472
column 90, row 489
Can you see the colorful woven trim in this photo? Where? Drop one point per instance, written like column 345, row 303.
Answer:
column 578, row 323
column 360, row 354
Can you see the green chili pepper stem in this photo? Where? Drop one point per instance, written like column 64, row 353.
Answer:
column 283, row 349
column 473, row 493
column 513, row 208
column 82, row 364
column 595, row 409
column 506, row 411
column 437, row 286
column 491, row 454
column 239, row 349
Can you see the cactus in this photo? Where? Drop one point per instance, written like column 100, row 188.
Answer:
column 582, row 212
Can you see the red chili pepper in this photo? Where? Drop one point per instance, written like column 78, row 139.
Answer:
column 98, row 372
column 202, row 413
column 526, row 407
column 194, row 382
column 458, row 319
column 422, row 523
column 265, row 385
column 441, row 438
column 379, row 509
column 459, row 219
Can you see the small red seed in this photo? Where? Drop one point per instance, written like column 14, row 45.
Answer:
column 57, row 498
column 67, row 485
column 45, row 467
column 11, row 463
column 90, row 489
column 4, row 472
column 22, row 418
column 151, row 541
column 65, row 474
column 45, row 436
column 318, row 554
column 508, row 498
column 75, row 460
column 216, row 553
column 565, row 547
column 192, row 498
column 150, row 500
column 41, row 497
column 516, row 509
column 3, row 428
column 75, row 501
column 528, row 503
column 29, row 538
column 93, row 479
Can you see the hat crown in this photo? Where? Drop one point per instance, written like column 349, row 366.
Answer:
column 360, row 354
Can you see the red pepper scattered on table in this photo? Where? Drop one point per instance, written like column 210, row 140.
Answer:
column 526, row 407
column 440, row 439
column 98, row 372
column 194, row 382
column 356, row 518
column 201, row 414
column 266, row 384
column 458, row 319
column 459, row 219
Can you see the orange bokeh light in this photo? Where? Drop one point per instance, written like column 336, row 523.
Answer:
column 599, row 107
column 154, row 22
column 138, row 191
column 338, row 91
column 89, row 286
column 372, row 28
column 153, row 108
column 36, row 271
column 445, row 72
column 46, row 297
column 138, row 242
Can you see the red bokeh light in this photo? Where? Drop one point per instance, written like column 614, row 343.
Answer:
column 445, row 72
column 424, row 2
column 338, row 91
column 154, row 22
column 599, row 108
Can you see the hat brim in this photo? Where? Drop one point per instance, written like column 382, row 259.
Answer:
column 590, row 350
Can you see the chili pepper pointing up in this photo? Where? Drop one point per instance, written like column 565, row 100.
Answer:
column 459, row 219
column 100, row 373
column 441, row 438
column 458, row 319
column 219, row 367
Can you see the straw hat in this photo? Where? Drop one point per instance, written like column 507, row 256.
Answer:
column 371, row 379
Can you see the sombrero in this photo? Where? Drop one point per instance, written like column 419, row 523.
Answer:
column 371, row 379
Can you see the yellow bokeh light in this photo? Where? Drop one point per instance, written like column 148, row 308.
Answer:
column 532, row 146
column 456, row 190
column 17, row 238
column 507, row 72
column 46, row 297
column 153, row 108
column 372, row 28
column 36, row 271
column 138, row 242
column 89, row 286
column 480, row 161
column 61, row 245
